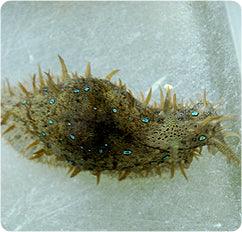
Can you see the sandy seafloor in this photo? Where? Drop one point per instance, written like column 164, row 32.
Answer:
column 186, row 44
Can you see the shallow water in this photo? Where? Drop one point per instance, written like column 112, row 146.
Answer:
column 185, row 44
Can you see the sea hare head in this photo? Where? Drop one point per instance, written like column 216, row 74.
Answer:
column 178, row 128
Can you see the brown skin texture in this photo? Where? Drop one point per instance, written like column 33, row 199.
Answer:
column 92, row 124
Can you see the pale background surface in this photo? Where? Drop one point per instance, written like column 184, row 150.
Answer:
column 190, row 46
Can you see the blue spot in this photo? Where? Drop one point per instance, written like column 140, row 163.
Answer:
column 50, row 121
column 86, row 89
column 81, row 147
column 105, row 144
column 24, row 102
column 114, row 110
column 202, row 138
column 43, row 134
column 130, row 117
column 89, row 149
column 39, row 134
column 127, row 152
column 45, row 89
column 69, row 123
column 72, row 136
column 76, row 91
column 52, row 101
column 24, row 123
column 95, row 108
column 145, row 120
column 166, row 157
column 153, row 162
column 195, row 113
column 70, row 162
column 100, row 150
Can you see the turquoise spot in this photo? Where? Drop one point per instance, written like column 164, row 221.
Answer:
column 39, row 134
column 127, row 152
column 130, row 117
column 86, row 89
column 114, row 110
column 72, row 136
column 61, row 139
column 153, row 162
column 100, row 151
column 89, row 149
column 24, row 102
column 202, row 138
column 70, row 162
column 69, row 123
column 166, row 157
column 76, row 91
column 45, row 89
column 43, row 134
column 95, row 108
column 50, row 121
column 52, row 101
column 81, row 147
column 145, row 120
column 195, row 113
column 24, row 123
column 105, row 144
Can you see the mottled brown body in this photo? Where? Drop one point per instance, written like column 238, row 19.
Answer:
column 92, row 124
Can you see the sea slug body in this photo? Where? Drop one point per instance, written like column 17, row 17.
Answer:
column 92, row 124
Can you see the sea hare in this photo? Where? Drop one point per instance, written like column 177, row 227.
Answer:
column 92, row 124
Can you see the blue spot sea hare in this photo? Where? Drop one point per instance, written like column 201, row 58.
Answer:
column 92, row 124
